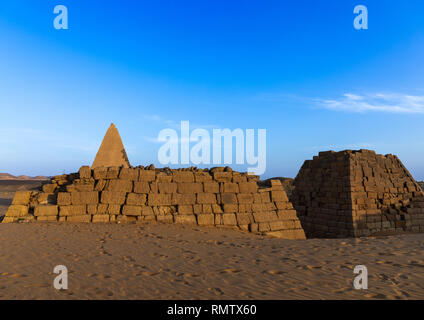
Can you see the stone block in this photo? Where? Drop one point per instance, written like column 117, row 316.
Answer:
column 183, row 199
column 159, row 199
column 186, row 219
column 230, row 187
column 22, row 197
column 74, row 210
column 167, row 187
column 113, row 172
column 131, row 210
column 141, row 187
column 17, row 210
column 206, row 198
column 223, row 176
column 113, row 197
column 119, row 185
column 183, row 176
column 100, row 173
column 185, row 209
column 228, row 198
column 136, row 199
column 131, row 174
column 64, row 198
column 85, row 197
column 84, row 172
column 206, row 219
column 83, row 219
column 46, row 210
column 248, row 187
column 202, row 177
column 211, row 187
column 101, row 218
column 245, row 198
column 147, row 175
column 229, row 219
column 190, row 187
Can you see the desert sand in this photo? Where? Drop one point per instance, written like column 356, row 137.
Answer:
column 133, row 261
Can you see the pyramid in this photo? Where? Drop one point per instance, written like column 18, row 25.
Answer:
column 357, row 193
column 111, row 152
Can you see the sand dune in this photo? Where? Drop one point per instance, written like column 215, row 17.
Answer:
column 112, row 261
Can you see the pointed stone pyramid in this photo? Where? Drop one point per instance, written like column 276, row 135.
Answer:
column 111, row 152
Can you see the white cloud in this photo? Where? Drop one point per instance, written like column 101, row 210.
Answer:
column 379, row 102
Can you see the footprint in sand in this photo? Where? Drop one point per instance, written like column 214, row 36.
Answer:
column 230, row 271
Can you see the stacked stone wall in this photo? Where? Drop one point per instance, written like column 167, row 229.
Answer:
column 217, row 197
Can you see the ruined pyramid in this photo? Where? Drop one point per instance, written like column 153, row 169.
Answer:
column 357, row 193
column 111, row 152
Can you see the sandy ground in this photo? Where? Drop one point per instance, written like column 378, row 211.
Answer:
column 117, row 261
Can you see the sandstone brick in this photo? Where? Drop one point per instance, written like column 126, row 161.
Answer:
column 141, row 187
column 279, row 196
column 129, row 174
column 47, row 198
column 136, row 199
column 167, row 187
column 181, row 199
column 22, row 197
column 119, row 185
column 165, row 218
column 114, row 209
column 17, row 210
column 287, row 214
column 206, row 219
column 85, row 197
column 228, row 198
column 100, row 173
column 216, row 208
column 46, row 210
column 92, row 209
column 206, row 198
column 190, row 187
column 164, row 177
column 131, row 210
column 211, row 187
column 100, row 185
column 183, row 176
column 79, row 219
column 147, row 175
column 101, row 218
column 47, row 218
column 113, row 172
column 74, row 210
column 248, row 187
column 185, row 209
column 207, row 208
column 63, row 198
column 49, row 188
column 202, row 177
column 230, row 208
column 198, row 208
column 147, row 211
column 223, row 176
column 245, row 198
column 85, row 172
column 263, row 227
column 102, row 208
column 186, row 219
column 230, row 187
column 159, row 199
column 265, row 216
column 229, row 219
column 244, row 218
column 113, row 197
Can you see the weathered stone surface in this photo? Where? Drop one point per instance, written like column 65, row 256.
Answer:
column 119, row 185
column 84, row 219
column 22, row 197
column 183, row 176
column 74, row 210
column 136, row 199
column 186, row 219
column 185, row 209
column 85, row 172
column 147, row 175
column 17, row 210
column 167, row 187
column 46, row 210
column 159, row 199
column 101, row 218
column 85, row 197
column 63, row 198
column 229, row 219
column 141, row 187
column 129, row 174
column 206, row 198
column 113, row 197
column 190, row 187
column 131, row 210
column 206, row 219
column 183, row 199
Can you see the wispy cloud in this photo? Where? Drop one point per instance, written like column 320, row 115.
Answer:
column 378, row 102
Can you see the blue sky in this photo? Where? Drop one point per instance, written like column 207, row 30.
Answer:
column 298, row 69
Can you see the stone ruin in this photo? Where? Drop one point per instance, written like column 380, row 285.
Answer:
column 357, row 193
column 337, row 194
column 121, row 193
